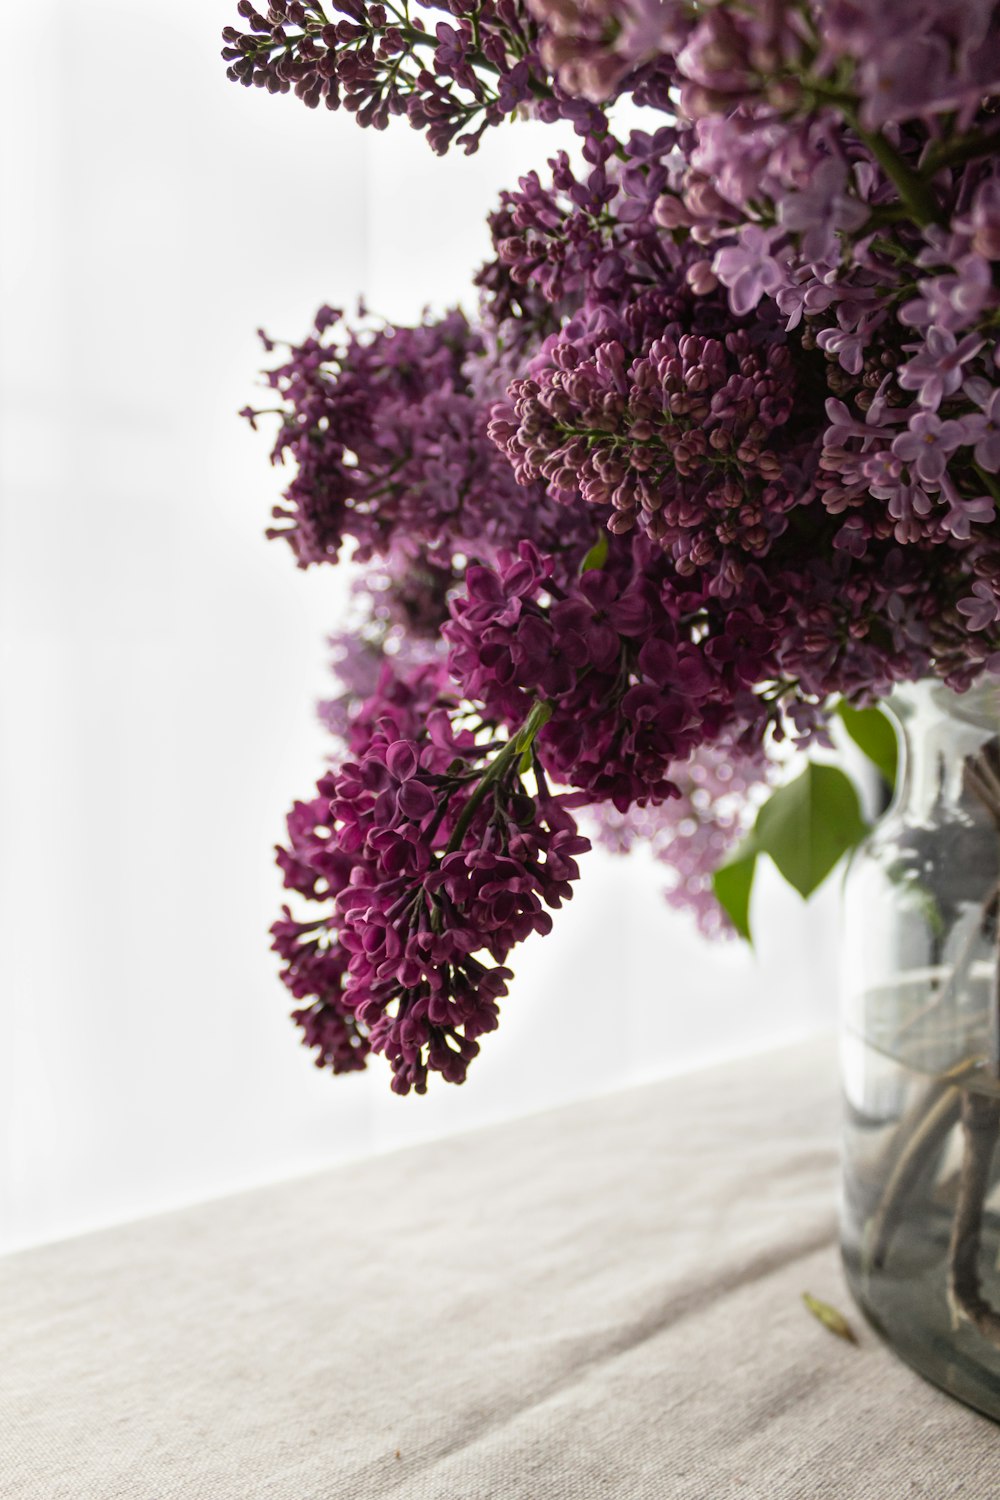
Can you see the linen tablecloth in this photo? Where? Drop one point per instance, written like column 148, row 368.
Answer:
column 601, row 1301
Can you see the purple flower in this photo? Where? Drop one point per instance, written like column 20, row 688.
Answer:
column 964, row 512
column 902, row 77
column 981, row 607
column 927, row 444
column 936, row 372
column 952, row 302
column 681, row 433
column 417, row 874
column 909, row 506
column 851, row 339
column 983, row 430
column 819, row 210
column 402, row 794
column 388, row 441
column 748, row 269
column 378, row 68
column 883, row 470
column 843, row 425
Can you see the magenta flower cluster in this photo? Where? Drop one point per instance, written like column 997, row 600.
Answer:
column 431, row 882
column 721, row 446
column 686, row 435
column 629, row 693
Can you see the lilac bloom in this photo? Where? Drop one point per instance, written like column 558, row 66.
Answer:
column 926, row 446
column 936, row 371
column 900, row 79
column 963, row 513
column 952, row 302
column 821, row 208
column 748, row 269
column 806, row 294
column 908, row 508
column 982, row 608
column 983, row 429
column 884, row 472
column 985, row 219
column 775, row 517
column 852, row 537
column 850, row 344
column 844, row 425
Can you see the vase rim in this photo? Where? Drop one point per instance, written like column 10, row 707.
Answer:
column 978, row 705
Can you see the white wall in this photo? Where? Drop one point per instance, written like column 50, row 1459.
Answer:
column 160, row 659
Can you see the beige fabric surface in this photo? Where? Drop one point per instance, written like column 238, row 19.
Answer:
column 603, row 1301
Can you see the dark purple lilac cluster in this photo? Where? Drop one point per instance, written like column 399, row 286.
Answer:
column 387, row 432
column 432, row 861
column 586, row 239
column 451, row 79
column 629, row 688
column 689, row 435
column 642, row 666
column 314, row 963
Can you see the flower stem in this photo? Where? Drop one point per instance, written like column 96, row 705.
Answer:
column 514, row 748
column 980, row 1125
column 961, row 149
column 989, row 480
column 922, row 1146
column 914, row 191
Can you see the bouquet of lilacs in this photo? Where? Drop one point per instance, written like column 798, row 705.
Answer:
column 716, row 460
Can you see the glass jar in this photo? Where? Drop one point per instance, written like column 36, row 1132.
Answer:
column 921, row 1049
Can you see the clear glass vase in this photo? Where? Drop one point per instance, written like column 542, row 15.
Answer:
column 921, row 1049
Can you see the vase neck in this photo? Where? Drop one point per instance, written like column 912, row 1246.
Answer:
column 940, row 731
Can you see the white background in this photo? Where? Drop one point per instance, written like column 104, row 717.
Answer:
column 160, row 659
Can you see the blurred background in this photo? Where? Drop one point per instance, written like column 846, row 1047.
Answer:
column 161, row 660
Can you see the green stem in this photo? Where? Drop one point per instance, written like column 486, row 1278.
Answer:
column 980, row 1126
column 540, row 714
column 990, row 481
column 914, row 191
column 963, row 148
column 922, row 1145
column 414, row 37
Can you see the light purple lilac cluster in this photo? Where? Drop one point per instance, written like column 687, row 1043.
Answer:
column 719, row 792
column 722, row 446
column 899, row 61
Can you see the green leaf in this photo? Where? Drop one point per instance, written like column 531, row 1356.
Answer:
column 830, row 1318
column 872, row 732
column 597, row 556
column 809, row 824
column 732, row 884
